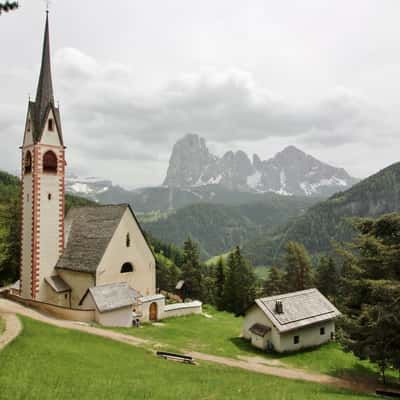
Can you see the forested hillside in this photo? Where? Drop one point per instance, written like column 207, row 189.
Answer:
column 328, row 221
column 10, row 225
column 218, row 228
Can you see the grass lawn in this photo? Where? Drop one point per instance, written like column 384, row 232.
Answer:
column 2, row 325
column 46, row 362
column 219, row 335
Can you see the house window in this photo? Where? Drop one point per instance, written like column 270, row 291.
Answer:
column 28, row 162
column 66, row 296
column 128, row 240
column 126, row 267
column 50, row 124
column 50, row 162
column 322, row 331
column 296, row 339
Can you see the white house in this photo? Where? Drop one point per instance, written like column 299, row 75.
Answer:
column 291, row 321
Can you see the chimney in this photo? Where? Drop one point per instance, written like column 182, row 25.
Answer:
column 278, row 307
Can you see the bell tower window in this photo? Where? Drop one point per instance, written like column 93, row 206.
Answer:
column 29, row 125
column 50, row 124
column 128, row 240
column 50, row 162
column 28, row 162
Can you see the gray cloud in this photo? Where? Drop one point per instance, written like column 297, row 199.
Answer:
column 224, row 106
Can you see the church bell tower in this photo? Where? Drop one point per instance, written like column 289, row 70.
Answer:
column 42, row 178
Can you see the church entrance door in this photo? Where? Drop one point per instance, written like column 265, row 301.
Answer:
column 153, row 312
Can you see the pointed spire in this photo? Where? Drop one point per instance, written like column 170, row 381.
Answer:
column 44, row 93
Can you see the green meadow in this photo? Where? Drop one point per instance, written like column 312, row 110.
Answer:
column 46, row 362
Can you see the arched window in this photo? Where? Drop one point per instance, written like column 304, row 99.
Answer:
column 128, row 240
column 50, row 162
column 28, row 162
column 126, row 267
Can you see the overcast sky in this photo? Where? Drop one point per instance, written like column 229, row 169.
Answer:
column 134, row 76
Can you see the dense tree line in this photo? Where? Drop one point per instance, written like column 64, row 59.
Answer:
column 229, row 285
column 218, row 228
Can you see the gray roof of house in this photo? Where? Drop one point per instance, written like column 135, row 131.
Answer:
column 300, row 309
column 88, row 233
column 57, row 284
column 113, row 296
column 259, row 329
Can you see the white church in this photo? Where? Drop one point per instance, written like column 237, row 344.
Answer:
column 94, row 263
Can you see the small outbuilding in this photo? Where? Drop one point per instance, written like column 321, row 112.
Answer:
column 113, row 303
column 290, row 321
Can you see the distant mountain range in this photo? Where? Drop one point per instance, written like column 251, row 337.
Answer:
column 196, row 176
column 289, row 172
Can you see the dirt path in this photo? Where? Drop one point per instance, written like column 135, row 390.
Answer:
column 9, row 309
column 12, row 330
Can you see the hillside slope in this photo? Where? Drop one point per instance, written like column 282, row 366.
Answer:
column 218, row 228
column 327, row 221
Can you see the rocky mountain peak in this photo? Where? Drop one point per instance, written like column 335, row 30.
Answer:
column 289, row 172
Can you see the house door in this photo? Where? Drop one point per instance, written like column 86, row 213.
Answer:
column 153, row 312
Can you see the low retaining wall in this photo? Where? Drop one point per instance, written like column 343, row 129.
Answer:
column 71, row 314
column 181, row 309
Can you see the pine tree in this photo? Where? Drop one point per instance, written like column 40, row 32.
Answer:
column 370, row 285
column 298, row 274
column 219, row 283
column 9, row 241
column 327, row 279
column 191, row 269
column 239, row 288
column 273, row 284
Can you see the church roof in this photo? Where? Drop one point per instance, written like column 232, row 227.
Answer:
column 298, row 309
column 44, row 102
column 113, row 296
column 88, row 232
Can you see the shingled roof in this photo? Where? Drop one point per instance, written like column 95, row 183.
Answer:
column 44, row 102
column 299, row 309
column 113, row 296
column 88, row 232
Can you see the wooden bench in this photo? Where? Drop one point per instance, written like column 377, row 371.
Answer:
column 175, row 357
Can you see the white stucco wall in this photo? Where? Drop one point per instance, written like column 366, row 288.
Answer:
column 60, row 299
column 259, row 341
column 79, row 282
column 255, row 315
column 309, row 336
column 49, row 223
column 50, row 137
column 181, row 309
column 144, row 308
column 121, row 317
column 143, row 277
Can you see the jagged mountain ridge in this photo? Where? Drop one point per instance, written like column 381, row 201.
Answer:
column 289, row 172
